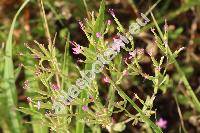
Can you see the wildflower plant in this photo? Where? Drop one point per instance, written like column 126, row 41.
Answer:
column 56, row 75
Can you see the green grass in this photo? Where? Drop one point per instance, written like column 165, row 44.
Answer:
column 9, row 84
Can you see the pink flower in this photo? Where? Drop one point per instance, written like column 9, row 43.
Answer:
column 158, row 68
column 132, row 54
column 55, row 87
column 29, row 99
column 85, row 108
column 152, row 30
column 125, row 59
column 109, row 22
column 36, row 56
column 111, row 11
column 113, row 120
column 77, row 49
column 162, row 123
column 98, row 35
column 165, row 43
column 91, row 98
column 106, row 79
column 79, row 61
column 125, row 73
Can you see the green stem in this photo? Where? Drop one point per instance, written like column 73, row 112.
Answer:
column 143, row 116
column 80, row 125
column 183, row 77
column 188, row 87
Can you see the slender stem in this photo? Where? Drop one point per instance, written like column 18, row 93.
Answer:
column 45, row 23
column 180, row 114
column 188, row 87
column 80, row 125
column 86, row 8
column 180, row 71
column 143, row 116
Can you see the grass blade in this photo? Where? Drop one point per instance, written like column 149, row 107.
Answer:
column 11, row 94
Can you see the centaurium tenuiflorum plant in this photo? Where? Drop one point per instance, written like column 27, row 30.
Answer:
column 56, row 74
column 50, row 72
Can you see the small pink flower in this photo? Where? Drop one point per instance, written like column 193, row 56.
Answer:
column 162, row 123
column 158, row 68
column 165, row 43
column 98, row 35
column 152, row 30
column 113, row 120
column 109, row 22
column 125, row 59
column 36, row 56
column 80, row 61
column 29, row 99
column 125, row 73
column 132, row 54
column 85, row 108
column 106, row 79
column 91, row 98
column 55, row 87
column 77, row 49
column 111, row 11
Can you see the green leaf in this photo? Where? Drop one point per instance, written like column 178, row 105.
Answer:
column 99, row 25
column 29, row 111
column 9, row 76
